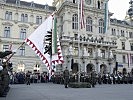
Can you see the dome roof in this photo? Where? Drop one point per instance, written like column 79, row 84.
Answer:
column 130, row 12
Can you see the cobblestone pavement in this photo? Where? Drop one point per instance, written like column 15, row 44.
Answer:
column 50, row 91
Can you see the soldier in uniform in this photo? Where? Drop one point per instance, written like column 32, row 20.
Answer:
column 28, row 78
column 4, row 76
column 93, row 78
column 1, row 88
column 66, row 77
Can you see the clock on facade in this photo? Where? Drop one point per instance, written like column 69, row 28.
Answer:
column 88, row 2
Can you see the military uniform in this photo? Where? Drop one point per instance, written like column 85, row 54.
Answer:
column 4, row 76
column 93, row 78
column 66, row 77
column 28, row 78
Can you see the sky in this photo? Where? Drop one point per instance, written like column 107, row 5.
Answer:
column 118, row 7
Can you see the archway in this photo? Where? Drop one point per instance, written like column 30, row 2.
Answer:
column 89, row 68
column 75, row 68
column 103, row 69
column 124, row 71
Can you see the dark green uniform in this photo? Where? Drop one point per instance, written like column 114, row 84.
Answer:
column 66, row 77
column 93, row 78
column 4, row 76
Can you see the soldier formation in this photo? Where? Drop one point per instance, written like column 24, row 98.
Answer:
column 93, row 78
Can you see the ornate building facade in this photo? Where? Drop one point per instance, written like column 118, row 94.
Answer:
column 83, row 49
column 94, row 49
column 18, row 19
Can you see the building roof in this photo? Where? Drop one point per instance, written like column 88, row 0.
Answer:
column 122, row 22
column 31, row 4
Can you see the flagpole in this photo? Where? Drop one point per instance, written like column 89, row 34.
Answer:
column 78, row 42
column 14, row 52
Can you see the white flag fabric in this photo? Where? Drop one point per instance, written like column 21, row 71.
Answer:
column 37, row 42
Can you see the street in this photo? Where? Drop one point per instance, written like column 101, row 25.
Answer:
column 50, row 91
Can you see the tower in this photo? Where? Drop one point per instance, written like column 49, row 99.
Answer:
column 129, row 16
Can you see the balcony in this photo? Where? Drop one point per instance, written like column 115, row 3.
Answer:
column 89, row 41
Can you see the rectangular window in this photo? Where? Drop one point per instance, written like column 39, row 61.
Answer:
column 76, row 36
column 90, row 52
column 23, row 33
column 7, row 32
column 103, row 53
column 38, row 19
column 131, row 57
column 122, row 33
column 123, row 45
column 5, row 47
column 8, row 15
column 24, row 18
column 22, row 51
column 131, row 45
column 130, row 34
column 124, row 59
column 75, row 51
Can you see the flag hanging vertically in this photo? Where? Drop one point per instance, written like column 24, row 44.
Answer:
column 54, row 36
column 38, row 42
column 106, row 16
column 129, row 59
column 82, row 23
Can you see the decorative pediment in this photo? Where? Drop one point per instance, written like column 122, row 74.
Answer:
column 113, row 38
column 7, row 24
column 35, row 27
column 123, row 39
column 131, row 40
column 23, row 25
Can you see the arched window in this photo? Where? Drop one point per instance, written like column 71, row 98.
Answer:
column 75, row 21
column 6, row 15
column 89, row 24
column 101, row 26
column 26, row 18
column 98, row 4
column 22, row 17
column 38, row 19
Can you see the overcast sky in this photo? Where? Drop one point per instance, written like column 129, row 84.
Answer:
column 118, row 7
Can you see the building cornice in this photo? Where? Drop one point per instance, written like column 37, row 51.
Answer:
column 7, row 23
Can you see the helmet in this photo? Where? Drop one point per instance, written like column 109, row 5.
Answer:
column 1, row 68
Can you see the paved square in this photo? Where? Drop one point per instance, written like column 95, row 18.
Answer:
column 50, row 91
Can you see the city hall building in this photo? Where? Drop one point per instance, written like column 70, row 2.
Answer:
column 83, row 49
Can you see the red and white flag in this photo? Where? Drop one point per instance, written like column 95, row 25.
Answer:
column 37, row 42
column 82, row 23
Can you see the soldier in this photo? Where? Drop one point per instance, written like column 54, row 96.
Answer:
column 66, row 77
column 5, row 80
column 93, row 77
column 28, row 78
column 1, row 88
column 4, row 76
